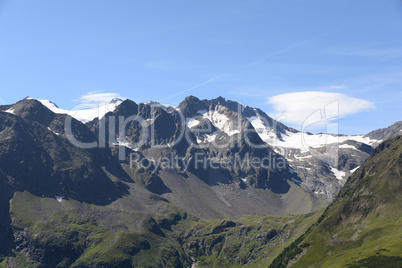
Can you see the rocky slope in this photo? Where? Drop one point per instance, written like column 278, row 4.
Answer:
column 362, row 228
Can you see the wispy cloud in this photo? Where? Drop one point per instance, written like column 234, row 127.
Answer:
column 368, row 52
column 296, row 45
column 194, row 87
column 296, row 107
column 279, row 52
column 97, row 96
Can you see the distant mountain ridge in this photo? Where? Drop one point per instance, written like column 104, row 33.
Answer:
column 312, row 164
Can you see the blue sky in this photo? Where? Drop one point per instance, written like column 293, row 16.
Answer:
column 248, row 51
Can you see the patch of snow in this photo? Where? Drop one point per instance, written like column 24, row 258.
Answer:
column 303, row 157
column 10, row 111
column 267, row 134
column 338, row 174
column 59, row 198
column 121, row 143
column 347, row 146
column 191, row 122
column 353, row 170
column 53, row 131
column 220, row 121
column 211, row 137
column 232, row 132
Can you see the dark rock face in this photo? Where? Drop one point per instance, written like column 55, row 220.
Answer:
column 245, row 144
column 223, row 226
column 34, row 159
column 191, row 105
column 37, row 160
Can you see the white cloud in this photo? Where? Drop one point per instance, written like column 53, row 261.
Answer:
column 298, row 107
column 99, row 97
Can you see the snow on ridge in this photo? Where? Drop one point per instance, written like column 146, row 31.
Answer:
column 51, row 106
column 83, row 115
column 266, row 134
column 338, row 173
column 304, row 141
column 159, row 104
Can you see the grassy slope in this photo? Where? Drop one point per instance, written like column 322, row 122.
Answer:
column 246, row 244
column 85, row 235
column 364, row 225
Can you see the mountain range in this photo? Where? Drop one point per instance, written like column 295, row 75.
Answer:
column 127, row 184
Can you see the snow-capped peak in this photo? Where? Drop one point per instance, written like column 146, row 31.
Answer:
column 116, row 101
column 88, row 112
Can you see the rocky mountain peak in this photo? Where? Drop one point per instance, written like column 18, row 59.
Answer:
column 116, row 101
